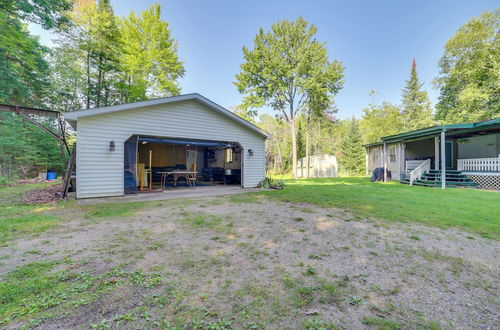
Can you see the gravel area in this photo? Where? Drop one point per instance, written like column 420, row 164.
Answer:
column 287, row 265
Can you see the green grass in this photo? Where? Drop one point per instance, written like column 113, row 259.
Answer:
column 43, row 288
column 382, row 324
column 18, row 219
column 474, row 210
column 105, row 210
column 31, row 223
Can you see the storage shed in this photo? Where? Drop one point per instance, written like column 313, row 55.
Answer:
column 317, row 166
column 128, row 148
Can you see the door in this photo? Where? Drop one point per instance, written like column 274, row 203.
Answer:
column 130, row 166
column 191, row 161
column 449, row 154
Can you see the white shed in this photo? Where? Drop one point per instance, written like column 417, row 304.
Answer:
column 127, row 148
column 317, row 166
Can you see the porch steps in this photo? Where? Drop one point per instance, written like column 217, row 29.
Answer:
column 432, row 178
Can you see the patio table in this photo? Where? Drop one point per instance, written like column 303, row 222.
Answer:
column 176, row 174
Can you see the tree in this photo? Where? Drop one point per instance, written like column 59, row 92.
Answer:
column 23, row 69
column 278, row 150
column 380, row 120
column 289, row 70
column 49, row 14
column 149, row 57
column 25, row 81
column 469, row 80
column 416, row 108
column 93, row 44
column 352, row 153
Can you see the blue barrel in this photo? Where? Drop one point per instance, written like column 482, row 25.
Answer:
column 51, row 175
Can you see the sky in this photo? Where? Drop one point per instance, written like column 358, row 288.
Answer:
column 375, row 41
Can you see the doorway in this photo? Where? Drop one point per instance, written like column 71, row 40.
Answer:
column 154, row 163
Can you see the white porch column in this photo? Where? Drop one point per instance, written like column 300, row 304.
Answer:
column 385, row 162
column 443, row 160
column 436, row 153
column 402, row 159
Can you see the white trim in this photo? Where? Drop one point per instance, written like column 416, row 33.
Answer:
column 482, row 173
column 75, row 115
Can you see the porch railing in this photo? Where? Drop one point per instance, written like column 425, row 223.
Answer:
column 479, row 164
column 417, row 173
column 413, row 164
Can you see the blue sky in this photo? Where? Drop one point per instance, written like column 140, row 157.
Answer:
column 375, row 40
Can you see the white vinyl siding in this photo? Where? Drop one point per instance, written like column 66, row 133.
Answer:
column 100, row 171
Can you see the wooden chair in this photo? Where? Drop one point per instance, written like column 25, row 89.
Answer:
column 192, row 180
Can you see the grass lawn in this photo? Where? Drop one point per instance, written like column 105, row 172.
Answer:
column 474, row 210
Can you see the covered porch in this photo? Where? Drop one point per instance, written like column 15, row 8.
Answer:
column 462, row 154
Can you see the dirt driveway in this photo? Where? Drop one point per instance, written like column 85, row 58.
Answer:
column 245, row 261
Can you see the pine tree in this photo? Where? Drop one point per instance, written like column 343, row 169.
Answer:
column 416, row 108
column 352, row 153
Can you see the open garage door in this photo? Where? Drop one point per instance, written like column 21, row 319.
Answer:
column 166, row 163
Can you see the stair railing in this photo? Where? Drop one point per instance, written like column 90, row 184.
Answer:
column 417, row 173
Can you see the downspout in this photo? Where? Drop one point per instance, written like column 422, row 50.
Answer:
column 443, row 159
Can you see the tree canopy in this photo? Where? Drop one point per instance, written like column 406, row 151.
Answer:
column 290, row 71
column 149, row 57
column 469, row 80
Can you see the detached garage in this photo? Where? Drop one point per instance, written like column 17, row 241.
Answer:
column 164, row 143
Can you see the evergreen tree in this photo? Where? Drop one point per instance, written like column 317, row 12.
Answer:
column 24, row 81
column 416, row 108
column 352, row 153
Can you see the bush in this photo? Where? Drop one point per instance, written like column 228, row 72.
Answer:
column 4, row 180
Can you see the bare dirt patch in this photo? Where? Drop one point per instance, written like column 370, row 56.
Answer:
column 248, row 262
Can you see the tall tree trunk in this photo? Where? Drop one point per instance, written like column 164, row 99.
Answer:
column 294, row 148
column 279, row 159
column 88, row 79
column 99, row 81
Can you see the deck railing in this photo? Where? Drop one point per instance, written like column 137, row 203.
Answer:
column 417, row 173
column 413, row 164
column 479, row 164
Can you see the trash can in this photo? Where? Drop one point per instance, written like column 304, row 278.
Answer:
column 51, row 175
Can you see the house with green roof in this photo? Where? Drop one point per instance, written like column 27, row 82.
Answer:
column 465, row 155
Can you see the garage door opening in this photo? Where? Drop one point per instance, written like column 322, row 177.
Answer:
column 154, row 164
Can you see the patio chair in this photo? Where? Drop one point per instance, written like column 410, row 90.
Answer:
column 192, row 180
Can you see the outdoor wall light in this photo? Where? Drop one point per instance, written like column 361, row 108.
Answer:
column 112, row 146
column 250, row 152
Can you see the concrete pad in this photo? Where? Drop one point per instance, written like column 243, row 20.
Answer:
column 172, row 194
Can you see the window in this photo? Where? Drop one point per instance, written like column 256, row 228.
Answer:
column 375, row 154
column 392, row 154
column 229, row 155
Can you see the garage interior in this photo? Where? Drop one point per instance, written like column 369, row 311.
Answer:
column 155, row 163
